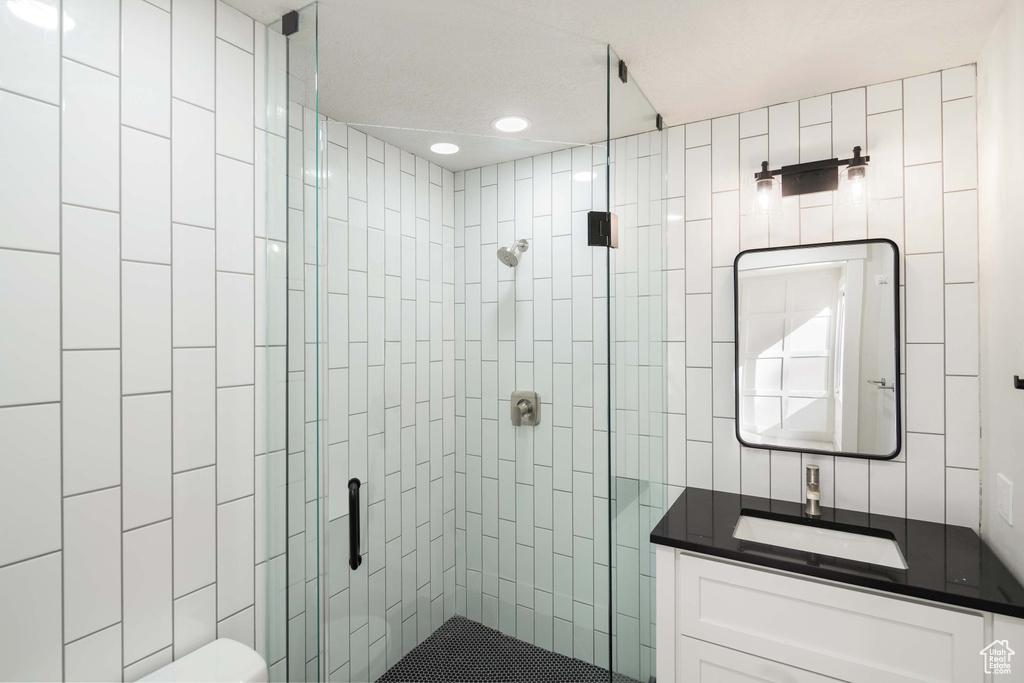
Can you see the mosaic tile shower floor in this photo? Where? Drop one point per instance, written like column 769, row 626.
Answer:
column 463, row 651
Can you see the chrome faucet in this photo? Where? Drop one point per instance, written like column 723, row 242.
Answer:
column 813, row 507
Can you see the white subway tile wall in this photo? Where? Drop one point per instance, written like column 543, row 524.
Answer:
column 921, row 135
column 531, row 523
column 389, row 312
column 133, row 387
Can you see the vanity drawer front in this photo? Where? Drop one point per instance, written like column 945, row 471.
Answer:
column 700, row 662
column 833, row 631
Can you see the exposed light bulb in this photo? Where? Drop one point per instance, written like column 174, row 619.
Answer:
column 857, row 188
column 856, row 191
column 765, row 201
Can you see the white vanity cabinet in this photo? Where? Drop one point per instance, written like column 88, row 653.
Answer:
column 720, row 621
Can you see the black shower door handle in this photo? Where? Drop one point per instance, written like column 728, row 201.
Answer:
column 354, row 558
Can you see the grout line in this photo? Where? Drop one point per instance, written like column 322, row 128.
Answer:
column 151, row 654
column 192, row 225
column 60, row 294
column 147, row 525
column 15, row 93
column 251, row 606
column 30, row 405
column 146, row 263
column 95, row 208
column 121, row 364
column 66, row 496
column 146, row 393
column 217, row 341
column 235, row 500
column 241, row 161
column 29, row 559
column 945, row 415
column 170, row 246
column 147, row 132
column 150, row 2
column 193, row 591
column 87, row 635
column 90, row 66
column 193, row 104
column 33, row 251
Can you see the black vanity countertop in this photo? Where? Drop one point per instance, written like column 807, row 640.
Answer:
column 947, row 564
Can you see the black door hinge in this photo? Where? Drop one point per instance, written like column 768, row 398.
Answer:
column 290, row 23
column 603, row 229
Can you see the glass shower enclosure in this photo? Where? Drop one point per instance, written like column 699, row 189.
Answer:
column 289, row 633
column 394, row 338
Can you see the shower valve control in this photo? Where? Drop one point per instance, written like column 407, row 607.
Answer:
column 525, row 409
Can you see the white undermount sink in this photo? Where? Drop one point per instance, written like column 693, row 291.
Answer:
column 821, row 540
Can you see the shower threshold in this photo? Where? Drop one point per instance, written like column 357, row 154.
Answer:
column 463, row 651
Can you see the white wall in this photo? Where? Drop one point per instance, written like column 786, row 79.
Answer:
column 1000, row 98
column 129, row 373
column 921, row 135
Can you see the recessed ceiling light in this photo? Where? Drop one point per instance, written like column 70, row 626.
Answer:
column 444, row 148
column 510, row 124
column 584, row 176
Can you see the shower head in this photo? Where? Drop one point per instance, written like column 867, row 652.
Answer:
column 510, row 255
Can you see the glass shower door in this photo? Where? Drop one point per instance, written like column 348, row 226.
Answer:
column 287, row 394
column 637, row 349
column 428, row 333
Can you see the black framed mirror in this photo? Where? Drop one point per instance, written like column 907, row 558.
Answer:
column 817, row 331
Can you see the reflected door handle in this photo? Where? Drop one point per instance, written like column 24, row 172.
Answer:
column 880, row 384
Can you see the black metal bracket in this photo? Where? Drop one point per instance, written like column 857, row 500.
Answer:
column 659, row 122
column 623, row 71
column 354, row 558
column 290, row 23
column 602, row 229
column 813, row 180
column 1018, row 383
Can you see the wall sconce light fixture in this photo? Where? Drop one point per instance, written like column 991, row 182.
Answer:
column 812, row 176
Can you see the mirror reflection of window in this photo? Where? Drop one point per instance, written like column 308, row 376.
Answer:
column 816, row 331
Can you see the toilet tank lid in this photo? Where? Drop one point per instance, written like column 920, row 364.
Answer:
column 222, row 661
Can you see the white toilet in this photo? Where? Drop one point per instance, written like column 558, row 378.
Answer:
column 222, row 661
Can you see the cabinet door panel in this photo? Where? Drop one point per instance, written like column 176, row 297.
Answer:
column 701, row 662
column 823, row 628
